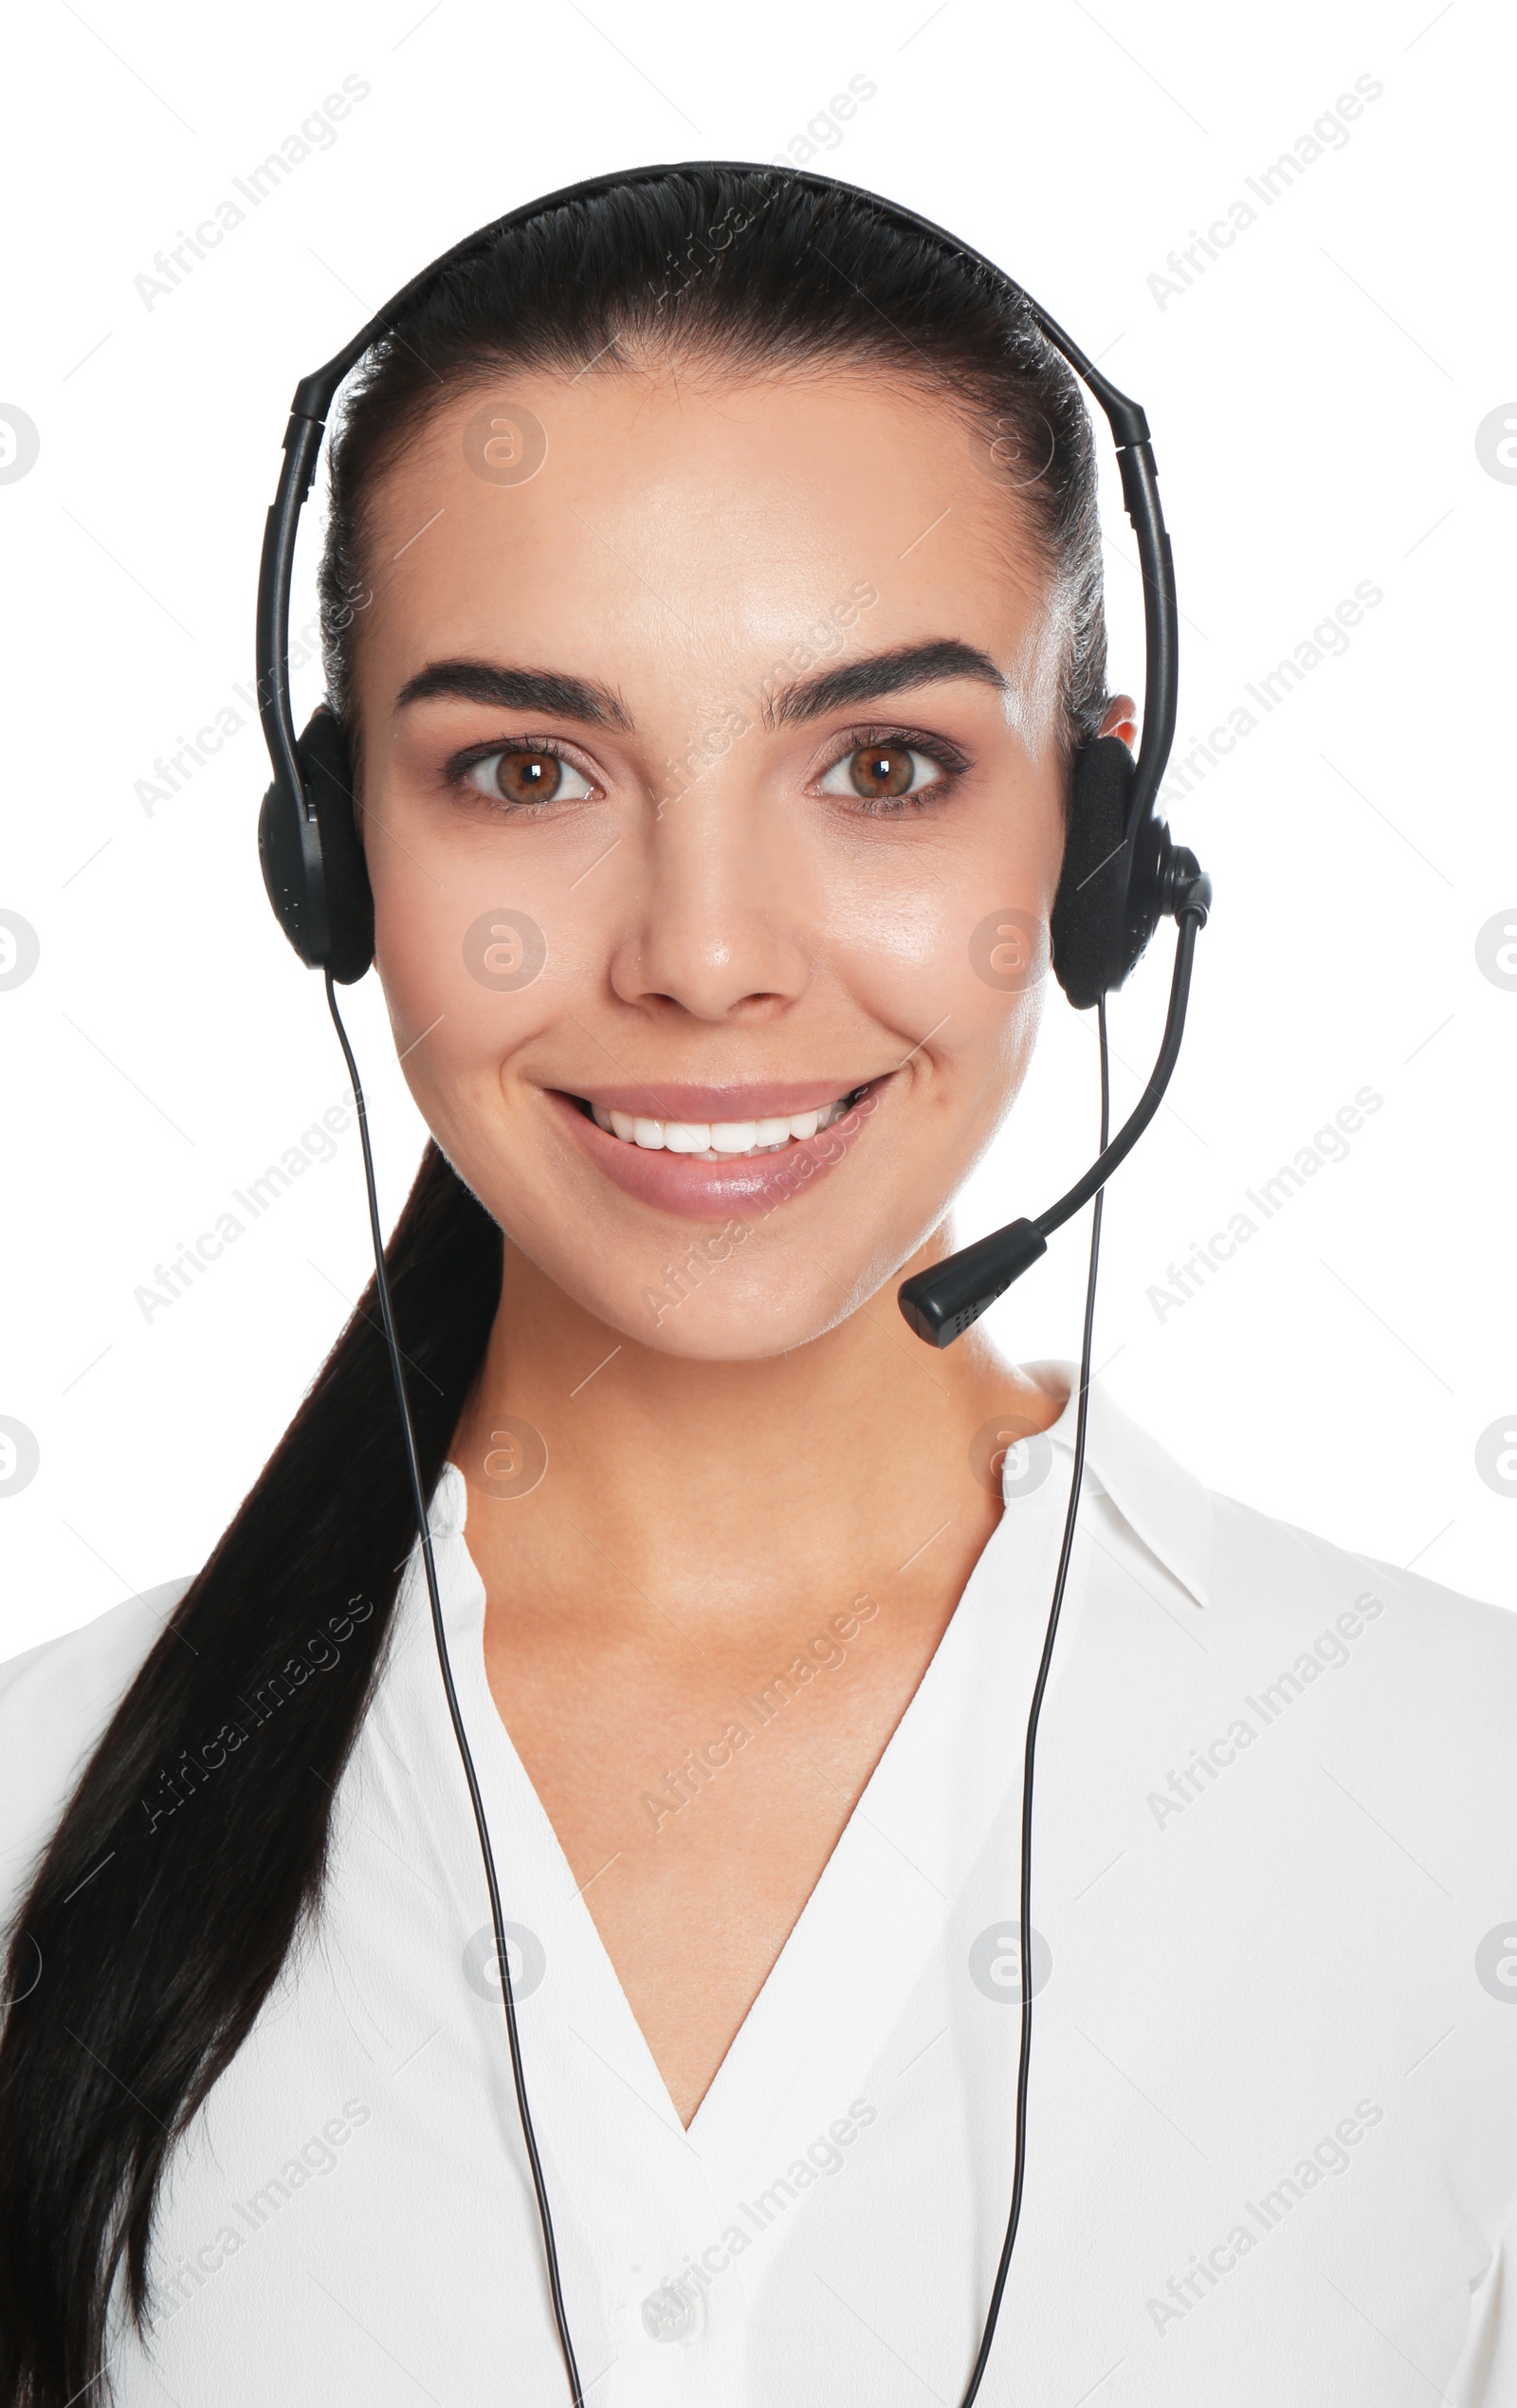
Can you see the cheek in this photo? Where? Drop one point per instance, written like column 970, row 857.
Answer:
column 469, row 978
column 963, row 987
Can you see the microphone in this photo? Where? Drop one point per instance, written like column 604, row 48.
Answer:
column 941, row 1303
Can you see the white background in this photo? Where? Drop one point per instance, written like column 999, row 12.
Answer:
column 1314, row 398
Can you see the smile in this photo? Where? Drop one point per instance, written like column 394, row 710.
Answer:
column 703, row 1152
column 720, row 1140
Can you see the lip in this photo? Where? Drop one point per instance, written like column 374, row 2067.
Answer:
column 673, row 1100
column 693, row 1190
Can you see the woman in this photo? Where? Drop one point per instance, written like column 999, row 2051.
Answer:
column 712, row 601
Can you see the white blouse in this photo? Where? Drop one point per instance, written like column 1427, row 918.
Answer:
column 1272, row 2138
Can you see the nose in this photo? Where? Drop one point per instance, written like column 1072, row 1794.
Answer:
column 717, row 927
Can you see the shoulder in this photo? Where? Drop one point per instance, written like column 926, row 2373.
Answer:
column 1274, row 1613
column 55, row 1703
column 1259, row 1579
column 1264, row 1570
column 1369, row 1665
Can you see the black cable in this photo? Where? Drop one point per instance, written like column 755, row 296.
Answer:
column 425, row 1532
column 1025, row 2059
column 1191, row 918
column 503, row 1964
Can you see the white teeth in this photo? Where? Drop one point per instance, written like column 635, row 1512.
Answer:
column 718, row 1140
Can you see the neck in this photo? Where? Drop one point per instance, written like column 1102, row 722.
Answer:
column 722, row 1488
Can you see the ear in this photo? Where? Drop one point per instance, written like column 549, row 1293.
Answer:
column 1121, row 719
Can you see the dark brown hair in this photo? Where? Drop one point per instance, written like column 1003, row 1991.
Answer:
column 746, row 273
column 160, row 1936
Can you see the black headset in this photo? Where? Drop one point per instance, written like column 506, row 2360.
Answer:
column 1120, row 875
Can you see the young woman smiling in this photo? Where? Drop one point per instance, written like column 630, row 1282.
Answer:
column 711, row 645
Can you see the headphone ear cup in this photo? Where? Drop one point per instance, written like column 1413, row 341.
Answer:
column 1086, row 923
column 327, row 770
column 323, row 754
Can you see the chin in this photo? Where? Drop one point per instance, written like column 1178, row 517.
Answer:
column 719, row 1315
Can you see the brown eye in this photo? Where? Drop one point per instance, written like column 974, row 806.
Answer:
column 528, row 777
column 887, row 773
column 877, row 769
column 526, row 774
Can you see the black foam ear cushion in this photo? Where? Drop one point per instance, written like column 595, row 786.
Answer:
column 1087, row 909
column 323, row 752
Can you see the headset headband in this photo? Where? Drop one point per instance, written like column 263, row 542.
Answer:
column 315, row 393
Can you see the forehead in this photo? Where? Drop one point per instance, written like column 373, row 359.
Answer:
column 680, row 522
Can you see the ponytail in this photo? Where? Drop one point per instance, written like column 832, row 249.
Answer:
column 208, row 1803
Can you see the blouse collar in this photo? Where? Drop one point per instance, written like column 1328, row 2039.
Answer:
column 1162, row 1504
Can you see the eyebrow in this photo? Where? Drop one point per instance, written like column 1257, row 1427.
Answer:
column 881, row 674
column 517, row 689
column 596, row 705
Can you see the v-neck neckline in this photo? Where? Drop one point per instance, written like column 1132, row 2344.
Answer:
column 979, row 1673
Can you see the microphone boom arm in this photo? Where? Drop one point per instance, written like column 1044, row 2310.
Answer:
column 942, row 1302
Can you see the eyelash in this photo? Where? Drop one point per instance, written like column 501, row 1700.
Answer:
column 909, row 739
column 456, row 771
column 949, row 758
